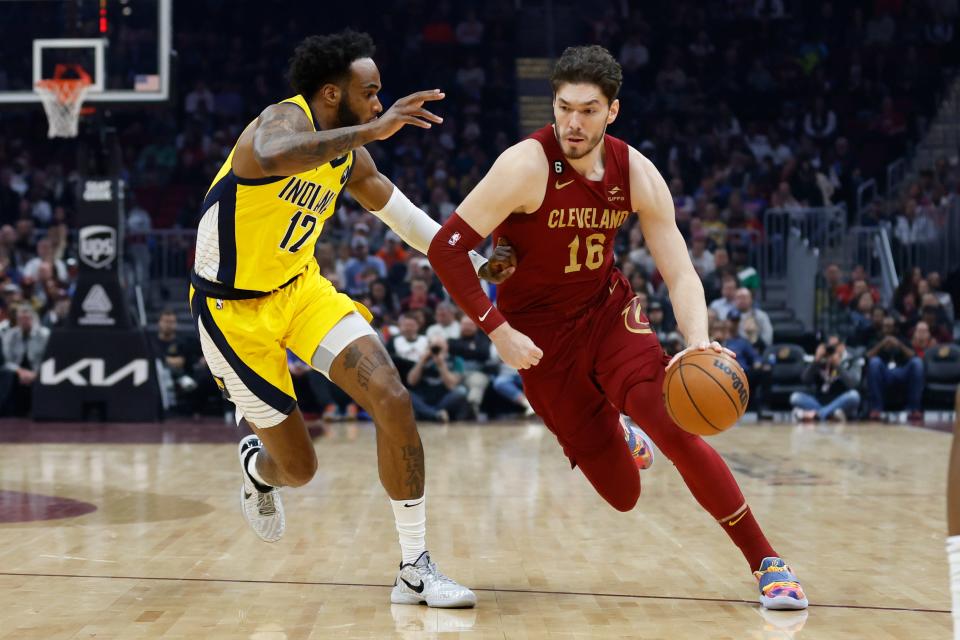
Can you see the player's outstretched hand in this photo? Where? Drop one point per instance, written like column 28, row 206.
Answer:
column 501, row 264
column 408, row 110
column 515, row 349
column 702, row 346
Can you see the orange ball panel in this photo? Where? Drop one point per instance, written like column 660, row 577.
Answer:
column 706, row 392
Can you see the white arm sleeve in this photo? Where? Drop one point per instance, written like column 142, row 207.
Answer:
column 414, row 226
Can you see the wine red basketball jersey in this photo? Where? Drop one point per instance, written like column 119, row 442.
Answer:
column 565, row 248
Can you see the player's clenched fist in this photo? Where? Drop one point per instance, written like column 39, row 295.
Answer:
column 515, row 349
column 501, row 265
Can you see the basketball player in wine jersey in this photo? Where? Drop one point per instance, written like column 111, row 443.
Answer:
column 567, row 318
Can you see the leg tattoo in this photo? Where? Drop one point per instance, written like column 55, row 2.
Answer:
column 368, row 365
column 413, row 458
column 365, row 364
column 352, row 356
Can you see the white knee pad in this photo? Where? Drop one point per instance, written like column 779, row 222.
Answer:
column 350, row 327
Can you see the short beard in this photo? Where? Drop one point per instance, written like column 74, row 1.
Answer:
column 346, row 117
column 592, row 147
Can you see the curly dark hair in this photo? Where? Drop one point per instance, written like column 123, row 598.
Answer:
column 320, row 60
column 590, row 64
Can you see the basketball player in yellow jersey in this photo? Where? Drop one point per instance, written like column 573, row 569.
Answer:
column 257, row 290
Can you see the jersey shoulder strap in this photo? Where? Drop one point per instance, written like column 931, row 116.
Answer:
column 301, row 102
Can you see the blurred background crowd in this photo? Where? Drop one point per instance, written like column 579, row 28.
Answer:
column 745, row 107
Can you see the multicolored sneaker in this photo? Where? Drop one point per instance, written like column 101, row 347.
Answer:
column 779, row 587
column 639, row 444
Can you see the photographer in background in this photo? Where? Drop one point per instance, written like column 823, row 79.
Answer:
column 836, row 375
column 435, row 383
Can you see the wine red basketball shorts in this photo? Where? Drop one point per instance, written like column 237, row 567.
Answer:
column 590, row 363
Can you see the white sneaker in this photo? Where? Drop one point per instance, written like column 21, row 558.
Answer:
column 421, row 582
column 263, row 511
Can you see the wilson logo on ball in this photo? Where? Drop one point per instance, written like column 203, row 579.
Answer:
column 738, row 384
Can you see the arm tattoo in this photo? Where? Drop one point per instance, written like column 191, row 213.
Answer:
column 413, row 459
column 281, row 143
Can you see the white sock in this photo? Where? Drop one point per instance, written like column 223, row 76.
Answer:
column 253, row 473
column 953, row 555
column 412, row 526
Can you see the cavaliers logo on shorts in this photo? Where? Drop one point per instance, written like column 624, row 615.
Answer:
column 634, row 319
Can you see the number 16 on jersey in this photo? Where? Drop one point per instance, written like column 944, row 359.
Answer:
column 594, row 258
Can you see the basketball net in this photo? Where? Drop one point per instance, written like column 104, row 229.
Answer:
column 62, row 98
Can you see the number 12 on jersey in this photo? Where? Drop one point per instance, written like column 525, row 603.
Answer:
column 594, row 244
column 309, row 222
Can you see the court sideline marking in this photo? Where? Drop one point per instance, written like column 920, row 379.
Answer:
column 489, row 590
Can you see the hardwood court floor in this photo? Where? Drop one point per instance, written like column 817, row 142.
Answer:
column 154, row 545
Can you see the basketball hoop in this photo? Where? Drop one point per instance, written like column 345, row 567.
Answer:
column 62, row 99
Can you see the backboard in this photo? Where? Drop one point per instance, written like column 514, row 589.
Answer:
column 123, row 44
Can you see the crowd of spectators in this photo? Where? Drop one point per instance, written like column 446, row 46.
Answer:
column 804, row 100
column 891, row 340
column 454, row 373
column 742, row 105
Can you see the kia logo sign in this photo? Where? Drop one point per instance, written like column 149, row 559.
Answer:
column 98, row 245
column 93, row 372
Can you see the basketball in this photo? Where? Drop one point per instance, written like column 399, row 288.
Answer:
column 706, row 392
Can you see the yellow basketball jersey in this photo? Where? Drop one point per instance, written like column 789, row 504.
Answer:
column 256, row 235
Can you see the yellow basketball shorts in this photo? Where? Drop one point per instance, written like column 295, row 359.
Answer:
column 245, row 342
